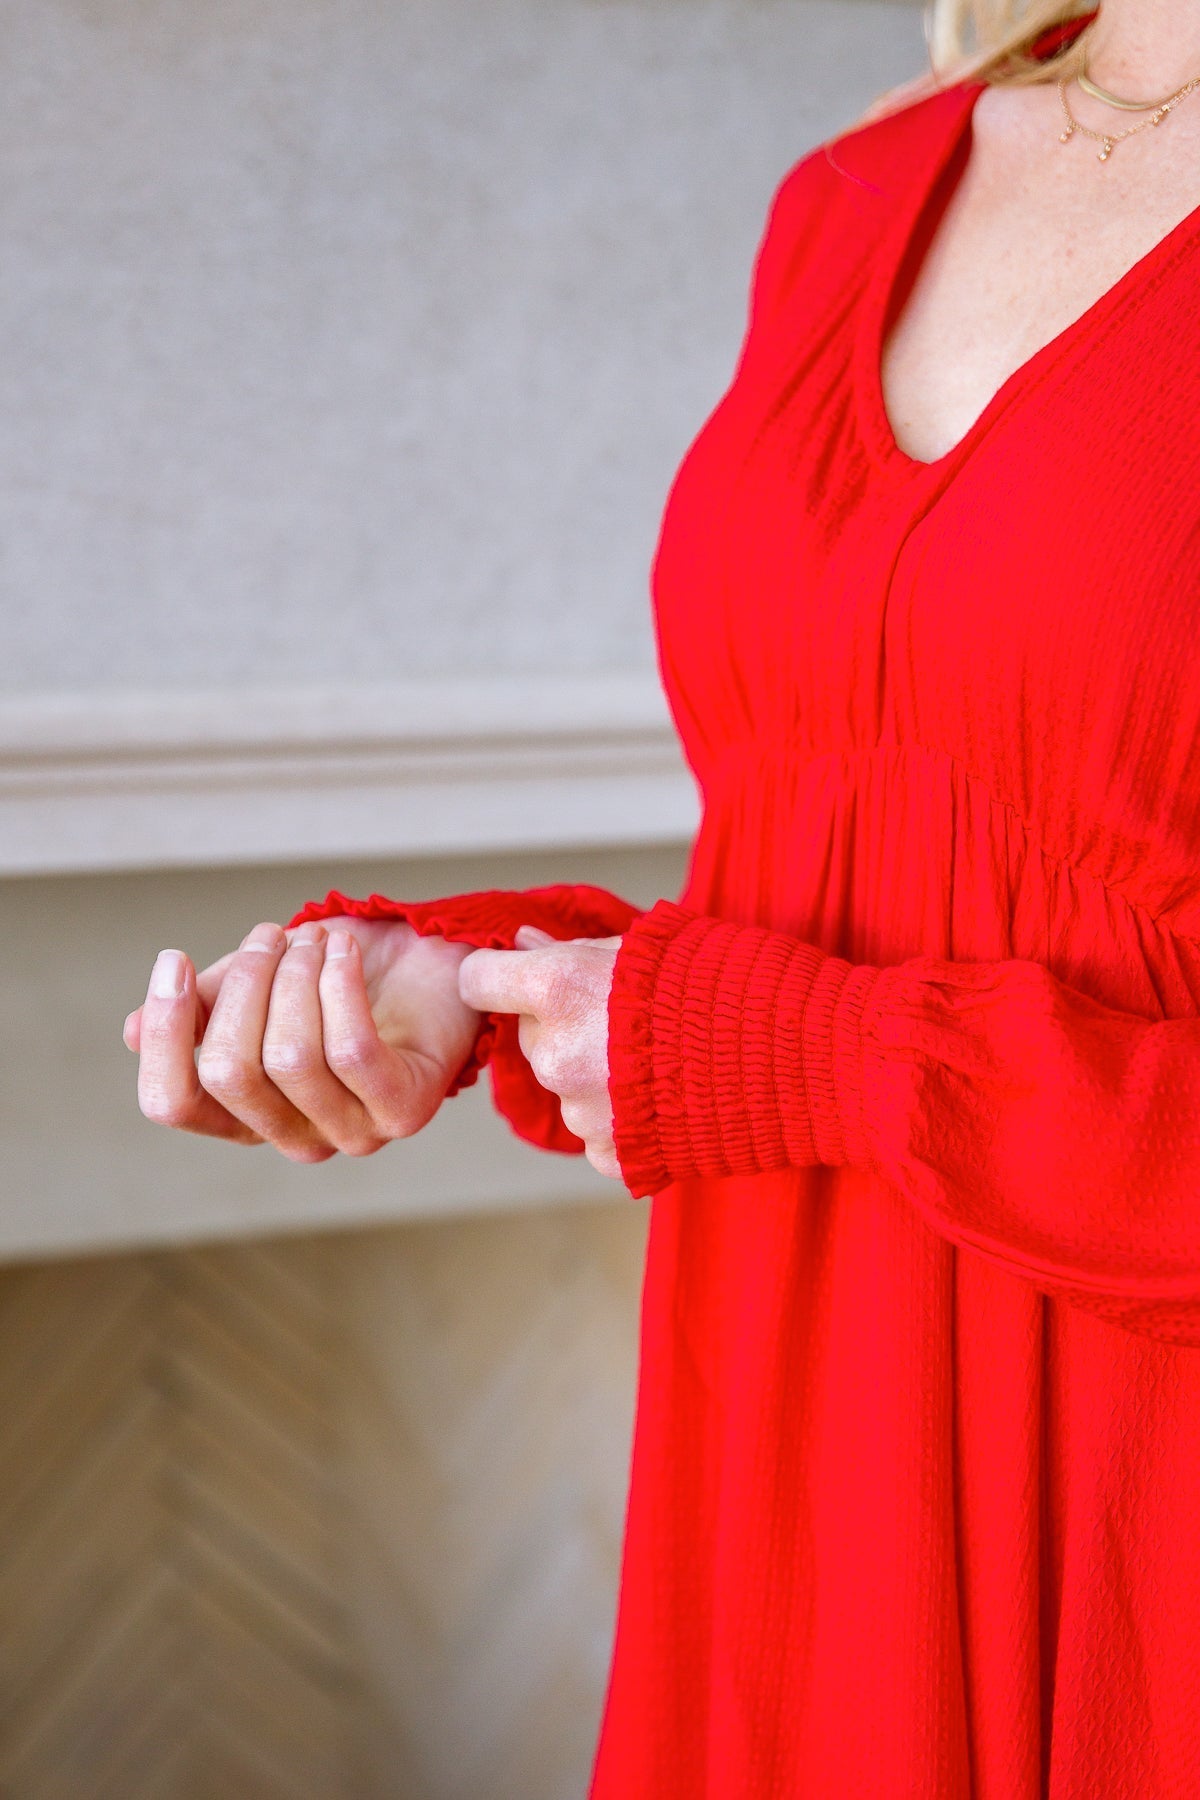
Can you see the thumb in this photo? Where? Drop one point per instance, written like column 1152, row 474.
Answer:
column 529, row 937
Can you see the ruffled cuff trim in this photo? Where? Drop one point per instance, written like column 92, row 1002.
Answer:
column 632, row 1054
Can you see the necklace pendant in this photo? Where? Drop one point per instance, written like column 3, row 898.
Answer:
column 1067, row 135
column 1106, row 152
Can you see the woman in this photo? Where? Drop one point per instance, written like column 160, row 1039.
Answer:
column 912, row 1070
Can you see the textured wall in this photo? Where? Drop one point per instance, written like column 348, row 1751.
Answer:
column 362, row 338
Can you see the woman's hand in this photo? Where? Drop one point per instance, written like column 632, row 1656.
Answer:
column 314, row 1040
column 560, row 991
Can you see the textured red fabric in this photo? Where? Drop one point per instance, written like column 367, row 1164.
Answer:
column 912, row 1067
column 739, row 1051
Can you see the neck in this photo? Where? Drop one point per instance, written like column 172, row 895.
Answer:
column 1144, row 48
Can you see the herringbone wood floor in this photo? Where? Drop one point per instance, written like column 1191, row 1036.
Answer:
column 321, row 1517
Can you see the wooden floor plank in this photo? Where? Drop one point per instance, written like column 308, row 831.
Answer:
column 335, row 1517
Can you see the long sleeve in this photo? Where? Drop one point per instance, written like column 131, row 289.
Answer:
column 489, row 920
column 1025, row 1121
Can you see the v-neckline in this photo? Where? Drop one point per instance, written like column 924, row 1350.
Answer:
column 877, row 302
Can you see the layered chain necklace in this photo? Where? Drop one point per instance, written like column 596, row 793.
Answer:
column 1156, row 111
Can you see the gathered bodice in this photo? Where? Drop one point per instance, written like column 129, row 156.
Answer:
column 961, row 653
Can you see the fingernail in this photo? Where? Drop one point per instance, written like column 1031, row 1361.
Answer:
column 340, row 944
column 263, row 937
column 535, row 932
column 307, row 935
column 168, row 979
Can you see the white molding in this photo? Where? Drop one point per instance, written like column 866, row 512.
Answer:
column 158, row 780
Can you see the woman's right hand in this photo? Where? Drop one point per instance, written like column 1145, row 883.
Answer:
column 314, row 1040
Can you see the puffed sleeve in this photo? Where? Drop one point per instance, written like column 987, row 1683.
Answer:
column 488, row 920
column 1023, row 1120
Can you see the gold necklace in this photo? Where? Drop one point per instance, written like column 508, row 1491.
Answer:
column 1107, row 139
column 1098, row 93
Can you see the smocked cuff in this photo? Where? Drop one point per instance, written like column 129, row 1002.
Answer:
column 733, row 1050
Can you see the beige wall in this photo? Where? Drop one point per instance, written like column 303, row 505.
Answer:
column 362, row 336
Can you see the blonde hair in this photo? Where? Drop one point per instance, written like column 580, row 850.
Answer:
column 989, row 40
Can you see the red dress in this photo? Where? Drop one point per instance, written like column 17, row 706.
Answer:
column 912, row 1071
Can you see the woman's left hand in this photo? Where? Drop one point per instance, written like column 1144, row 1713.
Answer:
column 560, row 990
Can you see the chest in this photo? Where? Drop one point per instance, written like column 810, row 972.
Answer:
column 1032, row 235
column 1027, row 608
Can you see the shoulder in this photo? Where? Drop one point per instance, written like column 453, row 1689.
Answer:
column 877, row 157
column 829, row 209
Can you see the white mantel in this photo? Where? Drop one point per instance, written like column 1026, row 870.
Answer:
column 146, row 779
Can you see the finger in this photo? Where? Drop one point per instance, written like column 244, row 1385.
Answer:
column 504, row 981
column 208, row 983
column 230, row 1064
column 591, row 1123
column 399, row 1089
column 529, row 937
column 604, row 1160
column 582, row 1118
column 564, row 1060
column 554, row 982
column 169, row 1089
column 294, row 1055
